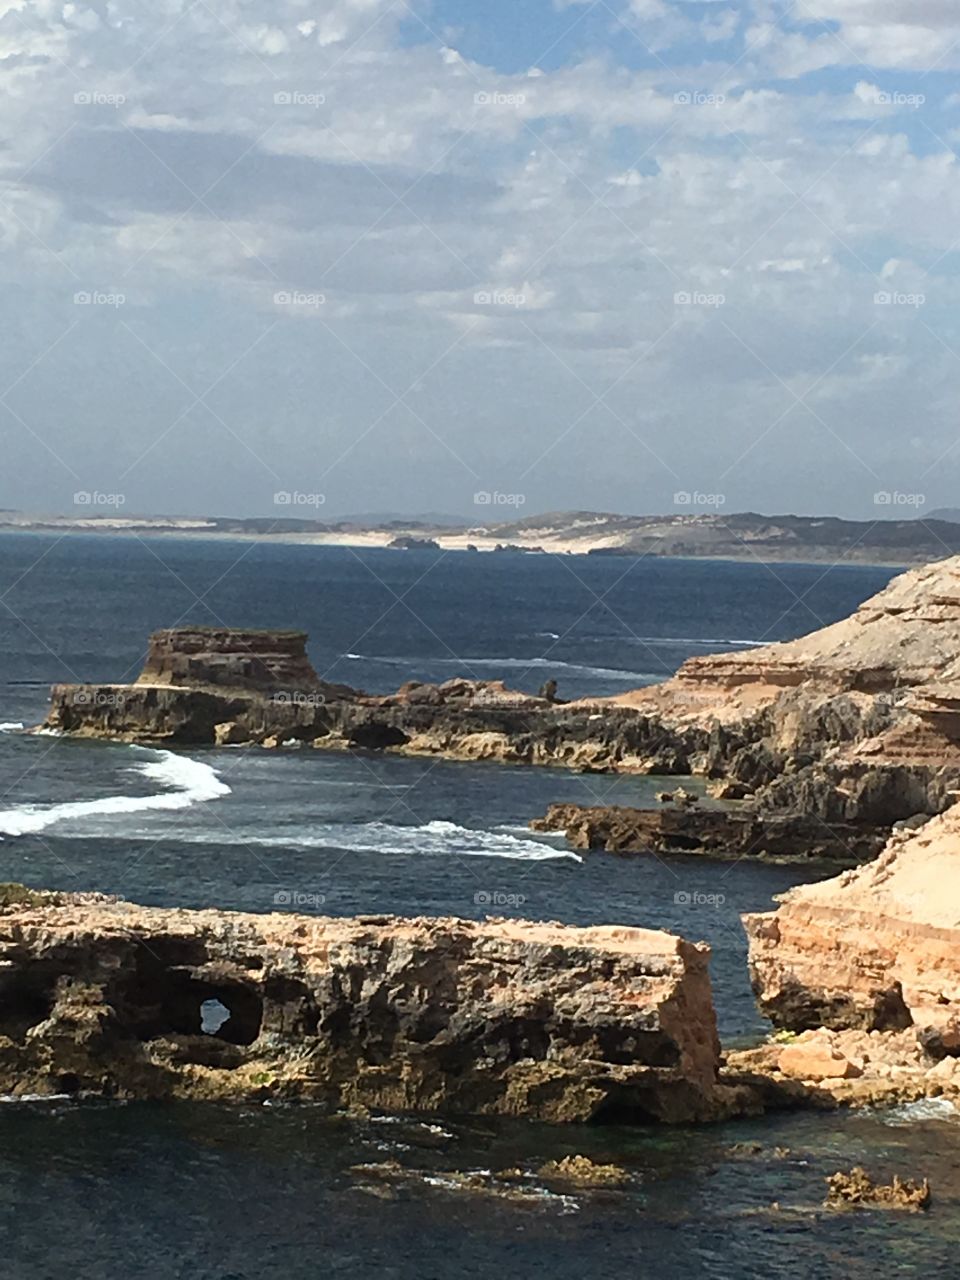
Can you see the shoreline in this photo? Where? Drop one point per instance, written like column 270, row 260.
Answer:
column 376, row 540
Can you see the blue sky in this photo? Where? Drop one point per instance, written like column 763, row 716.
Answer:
column 391, row 253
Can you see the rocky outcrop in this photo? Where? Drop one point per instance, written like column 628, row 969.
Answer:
column 232, row 659
column 209, row 689
column 431, row 1015
column 857, row 1190
column 874, row 948
column 831, row 739
column 723, row 833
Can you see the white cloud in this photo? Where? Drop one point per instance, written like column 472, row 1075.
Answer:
column 270, row 148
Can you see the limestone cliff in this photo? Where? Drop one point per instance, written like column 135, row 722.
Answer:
column 874, row 948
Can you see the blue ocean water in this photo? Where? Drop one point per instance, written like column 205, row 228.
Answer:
column 270, row 1192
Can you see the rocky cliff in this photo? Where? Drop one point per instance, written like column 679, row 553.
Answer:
column 876, row 948
column 225, row 658
column 432, row 1015
column 854, row 726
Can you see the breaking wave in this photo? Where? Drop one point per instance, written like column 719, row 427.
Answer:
column 435, row 837
column 186, row 782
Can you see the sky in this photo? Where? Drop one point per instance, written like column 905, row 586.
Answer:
column 304, row 259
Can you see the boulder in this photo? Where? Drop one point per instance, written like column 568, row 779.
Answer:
column 229, row 734
column 816, row 1059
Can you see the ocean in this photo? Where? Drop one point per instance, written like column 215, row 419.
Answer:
column 95, row 1189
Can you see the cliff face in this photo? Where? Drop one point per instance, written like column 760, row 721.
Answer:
column 433, row 1015
column 235, row 659
column 907, row 634
column 875, row 948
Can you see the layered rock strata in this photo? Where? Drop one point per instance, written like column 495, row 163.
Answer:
column 431, row 1015
column 228, row 658
column 876, row 948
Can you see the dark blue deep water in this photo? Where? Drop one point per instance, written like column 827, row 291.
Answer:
column 91, row 1191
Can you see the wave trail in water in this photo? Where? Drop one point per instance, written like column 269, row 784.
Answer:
column 465, row 665
column 187, row 782
column 435, row 837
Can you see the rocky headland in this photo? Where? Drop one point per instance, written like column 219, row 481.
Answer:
column 823, row 743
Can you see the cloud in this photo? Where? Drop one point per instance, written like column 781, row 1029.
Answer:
column 203, row 162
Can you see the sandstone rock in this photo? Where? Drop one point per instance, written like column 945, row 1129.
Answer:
column 889, row 1068
column 729, row 790
column 262, row 660
column 876, row 947
column 430, row 1015
column 229, row 733
column 816, row 1059
column 846, row 731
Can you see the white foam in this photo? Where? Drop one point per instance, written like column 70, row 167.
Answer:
column 435, row 837
column 36, row 1097
column 913, row 1112
column 189, row 782
column 11, row 726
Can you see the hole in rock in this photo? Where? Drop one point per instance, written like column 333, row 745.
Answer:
column 193, row 1006
column 26, row 999
column 213, row 1014
column 161, row 1001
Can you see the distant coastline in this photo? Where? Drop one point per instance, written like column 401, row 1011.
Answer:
column 738, row 537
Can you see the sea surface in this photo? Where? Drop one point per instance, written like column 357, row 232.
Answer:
column 89, row 1190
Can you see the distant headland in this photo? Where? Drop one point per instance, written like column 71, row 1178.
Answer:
column 714, row 535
